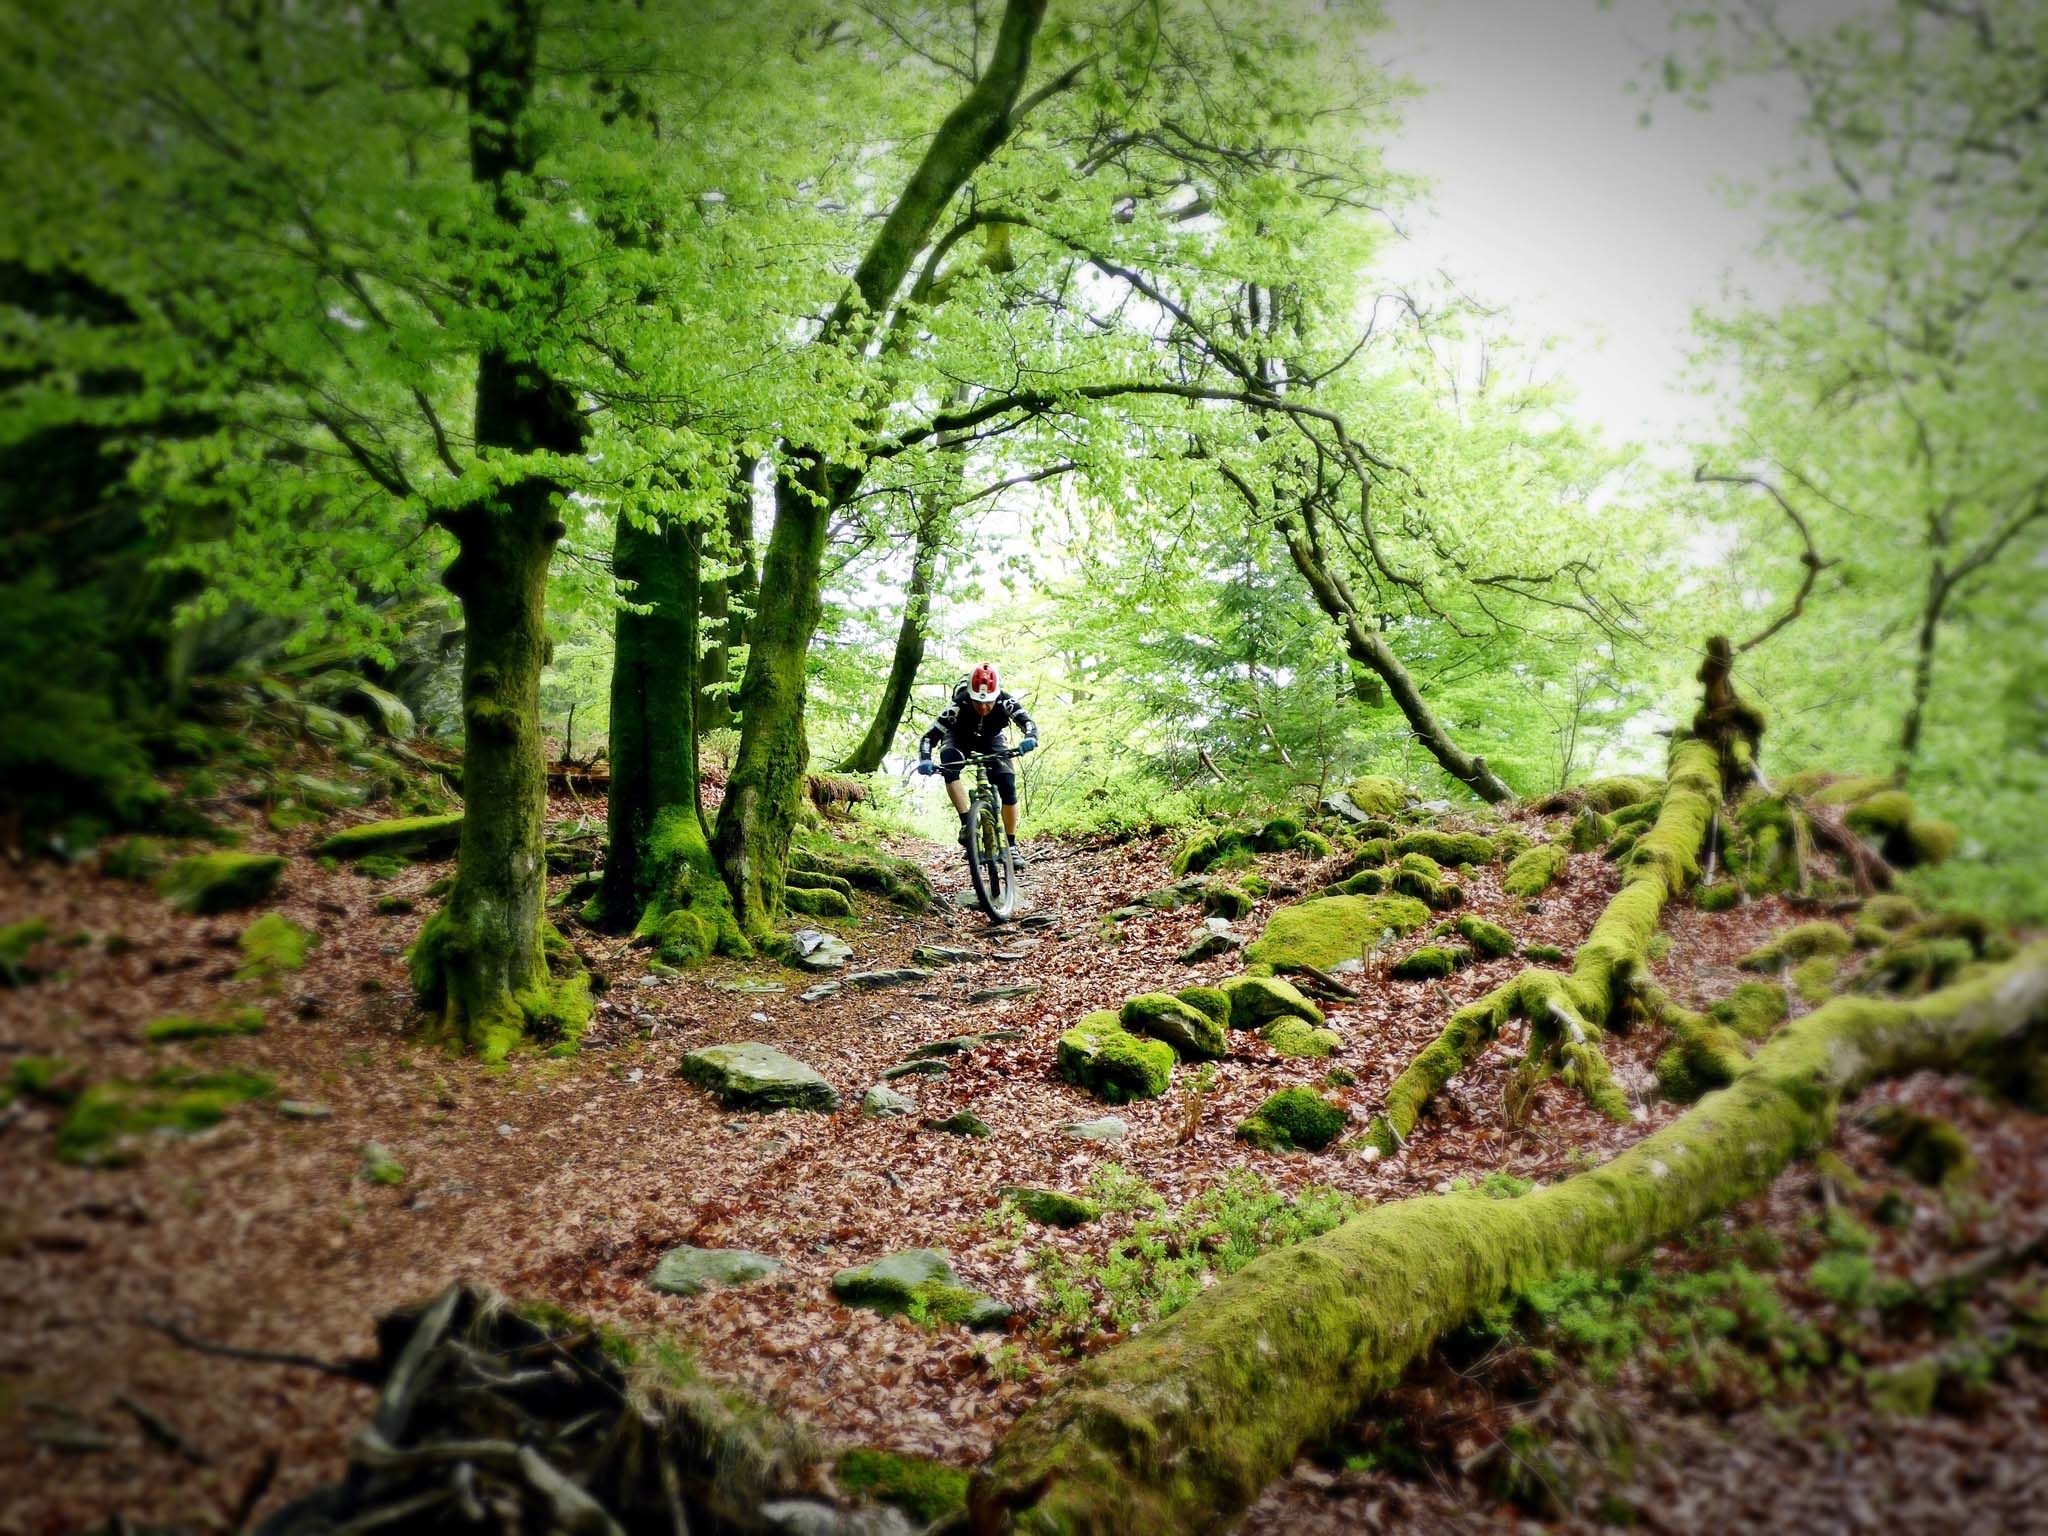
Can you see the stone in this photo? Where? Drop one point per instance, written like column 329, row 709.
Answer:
column 959, row 1045
column 1100, row 1055
column 688, row 1271
column 1214, row 942
column 808, row 1517
column 305, row 1109
column 1103, row 1128
column 896, row 1282
column 817, row 951
column 209, row 883
column 1193, row 1035
column 1291, row 1037
column 966, row 1123
column 750, row 986
column 1011, row 956
column 1036, row 921
column 1052, row 1207
column 1256, row 1000
column 751, row 1075
column 924, row 1068
column 885, row 1103
column 999, row 994
column 818, row 993
column 936, row 955
column 901, row 976
column 380, row 1167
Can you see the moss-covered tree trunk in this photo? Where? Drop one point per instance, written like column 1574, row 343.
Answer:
column 653, row 703
column 909, row 653
column 484, row 961
column 727, row 607
column 1180, row 1428
column 754, row 821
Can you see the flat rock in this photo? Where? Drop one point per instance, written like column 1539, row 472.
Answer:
column 1011, row 955
column 902, row 976
column 1341, row 804
column 959, row 1045
column 882, row 1102
column 966, row 1123
column 305, row 1109
column 1036, row 921
column 999, row 994
column 1211, row 944
column 819, row 993
column 750, row 1075
column 688, row 1271
column 1106, row 1128
column 749, row 986
column 893, row 1283
column 808, row 1517
column 923, row 1068
column 935, row 955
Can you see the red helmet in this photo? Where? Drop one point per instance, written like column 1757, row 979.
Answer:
column 982, row 684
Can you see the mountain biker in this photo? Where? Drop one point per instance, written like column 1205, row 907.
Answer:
column 975, row 722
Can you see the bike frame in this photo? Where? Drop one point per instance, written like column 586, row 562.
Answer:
column 991, row 862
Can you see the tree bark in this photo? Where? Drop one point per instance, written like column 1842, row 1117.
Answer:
column 1923, row 669
column 909, row 654
column 1370, row 650
column 484, row 960
column 727, row 607
column 754, row 821
column 653, row 710
column 1180, row 1428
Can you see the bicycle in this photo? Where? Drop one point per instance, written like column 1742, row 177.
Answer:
column 991, row 861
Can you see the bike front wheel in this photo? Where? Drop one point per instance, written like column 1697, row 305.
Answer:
column 991, row 863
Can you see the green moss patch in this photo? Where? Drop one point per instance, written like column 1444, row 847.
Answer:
column 1752, row 1010
column 1431, row 962
column 1814, row 980
column 108, row 1120
column 1926, row 1148
column 1292, row 1037
column 16, row 940
column 819, row 902
column 918, row 1283
column 1192, row 1033
column 925, row 1490
column 1052, row 1208
column 1332, row 929
column 1212, row 846
column 271, row 945
column 207, row 883
column 1717, row 898
column 1213, row 1001
column 1224, row 900
column 47, row 1079
column 1449, row 847
column 140, row 859
column 1377, row 795
column 1535, row 869
column 1611, row 794
column 1489, row 941
column 408, row 837
column 1293, row 1119
column 184, row 1026
column 1256, row 1000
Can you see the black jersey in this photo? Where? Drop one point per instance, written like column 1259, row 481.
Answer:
column 965, row 727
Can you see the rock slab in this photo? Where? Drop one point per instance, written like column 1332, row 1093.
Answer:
column 751, row 1075
column 688, row 1271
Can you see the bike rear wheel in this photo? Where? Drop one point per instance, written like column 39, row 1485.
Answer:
column 991, row 863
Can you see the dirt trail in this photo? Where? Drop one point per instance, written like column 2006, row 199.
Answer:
column 566, row 1180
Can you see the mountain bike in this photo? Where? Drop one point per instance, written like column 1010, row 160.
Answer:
column 991, row 861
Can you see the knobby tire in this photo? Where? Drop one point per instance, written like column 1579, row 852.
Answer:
column 990, row 868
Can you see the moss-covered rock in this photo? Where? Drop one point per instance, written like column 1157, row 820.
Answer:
column 1053, row 1208
column 1795, row 944
column 919, row 1282
column 1431, row 962
column 1293, row 1119
column 1909, row 965
column 16, row 940
column 750, row 1075
column 1193, row 1035
column 1448, row 847
column 1928, row 842
column 927, row 1491
column 1330, row 930
column 1377, row 795
column 1717, row 898
column 1510, row 843
column 1314, row 844
column 406, row 837
column 1293, row 1037
column 1814, row 979
column 1278, row 834
column 1489, row 941
column 206, row 883
column 1891, row 913
column 1611, row 794
column 46, row 1079
column 1256, row 1000
column 1535, row 869
column 1100, row 1055
column 1590, row 830
column 820, row 902
column 140, row 859
column 271, row 945
column 1213, row 845
column 184, row 1026
column 1222, row 900
column 897, row 881
column 1752, row 1010
column 1213, row 1001
column 1546, row 954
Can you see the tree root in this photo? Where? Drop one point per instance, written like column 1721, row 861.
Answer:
column 1182, row 1426
column 1567, row 1012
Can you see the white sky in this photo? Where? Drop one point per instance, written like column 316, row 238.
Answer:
column 1551, row 199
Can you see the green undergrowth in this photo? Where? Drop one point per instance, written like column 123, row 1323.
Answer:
column 107, row 1121
column 1170, row 1253
column 924, row 1490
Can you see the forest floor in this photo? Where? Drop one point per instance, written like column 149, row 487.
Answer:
column 565, row 1180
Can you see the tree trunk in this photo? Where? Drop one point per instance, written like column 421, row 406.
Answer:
column 1180, row 1428
column 754, row 822
column 654, row 729
column 1370, row 650
column 1923, row 670
column 727, row 607
column 909, row 654
column 484, row 961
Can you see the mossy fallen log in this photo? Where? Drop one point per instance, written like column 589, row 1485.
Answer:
column 1566, row 1012
column 413, row 837
column 1181, row 1427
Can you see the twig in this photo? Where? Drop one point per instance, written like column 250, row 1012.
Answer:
column 1330, row 983
column 161, row 1431
column 350, row 1370
column 253, row 1491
